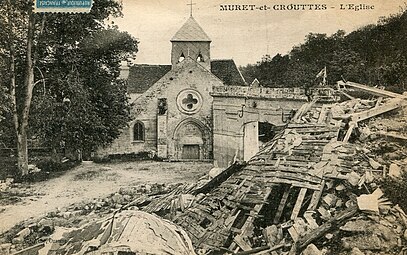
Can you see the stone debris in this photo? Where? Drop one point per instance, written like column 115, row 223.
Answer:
column 130, row 232
column 394, row 170
column 6, row 184
column 313, row 189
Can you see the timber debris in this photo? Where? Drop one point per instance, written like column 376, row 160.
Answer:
column 313, row 189
column 310, row 187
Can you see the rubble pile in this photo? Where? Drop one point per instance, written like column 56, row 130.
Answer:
column 34, row 233
column 308, row 189
column 126, row 232
column 314, row 189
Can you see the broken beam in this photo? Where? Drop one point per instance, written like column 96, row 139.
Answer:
column 391, row 105
column 316, row 196
column 323, row 229
column 298, row 203
column 372, row 90
column 262, row 248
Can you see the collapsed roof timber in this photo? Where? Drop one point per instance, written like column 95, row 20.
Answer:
column 313, row 183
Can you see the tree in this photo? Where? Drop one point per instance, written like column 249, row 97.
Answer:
column 75, row 58
column 13, row 35
column 375, row 54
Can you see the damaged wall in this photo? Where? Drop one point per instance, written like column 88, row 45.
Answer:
column 232, row 111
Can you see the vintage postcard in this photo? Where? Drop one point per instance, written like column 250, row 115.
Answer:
column 203, row 127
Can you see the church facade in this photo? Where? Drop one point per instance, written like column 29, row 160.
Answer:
column 172, row 108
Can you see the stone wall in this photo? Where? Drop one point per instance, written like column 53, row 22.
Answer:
column 232, row 113
column 260, row 92
column 188, row 84
column 191, row 49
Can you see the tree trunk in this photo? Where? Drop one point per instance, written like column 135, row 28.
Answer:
column 21, row 120
column 28, row 84
column 22, row 149
column 22, row 159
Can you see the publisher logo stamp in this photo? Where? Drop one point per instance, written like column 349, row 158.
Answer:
column 72, row 6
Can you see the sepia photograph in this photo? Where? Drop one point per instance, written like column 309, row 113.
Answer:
column 203, row 127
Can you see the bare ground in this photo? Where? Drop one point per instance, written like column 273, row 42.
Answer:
column 89, row 181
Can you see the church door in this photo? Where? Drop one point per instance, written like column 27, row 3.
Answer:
column 190, row 151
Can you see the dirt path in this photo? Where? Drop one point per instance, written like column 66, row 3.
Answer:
column 89, row 181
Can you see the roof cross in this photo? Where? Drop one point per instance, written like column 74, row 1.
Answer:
column 191, row 4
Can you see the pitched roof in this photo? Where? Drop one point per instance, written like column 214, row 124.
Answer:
column 142, row 77
column 227, row 71
column 191, row 32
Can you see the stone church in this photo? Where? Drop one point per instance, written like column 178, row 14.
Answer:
column 173, row 104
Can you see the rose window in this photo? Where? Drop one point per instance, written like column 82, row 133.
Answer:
column 189, row 101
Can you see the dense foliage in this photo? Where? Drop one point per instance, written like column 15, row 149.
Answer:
column 78, row 101
column 374, row 54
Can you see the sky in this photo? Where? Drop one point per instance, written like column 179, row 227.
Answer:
column 245, row 35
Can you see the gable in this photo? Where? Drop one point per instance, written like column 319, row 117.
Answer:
column 142, row 76
column 187, row 75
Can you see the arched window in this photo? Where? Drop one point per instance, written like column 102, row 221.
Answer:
column 200, row 58
column 138, row 131
column 181, row 58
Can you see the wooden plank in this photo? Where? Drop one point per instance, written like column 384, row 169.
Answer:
column 293, row 233
column 315, row 130
column 297, row 156
column 372, row 90
column 323, row 114
column 241, row 243
column 352, row 125
column 305, row 181
column 293, row 176
column 267, row 249
column 292, row 169
column 281, row 206
column 316, row 196
column 392, row 135
column 299, row 184
column 390, row 105
column 305, row 125
column 334, row 222
column 30, row 250
column 298, row 203
column 293, row 163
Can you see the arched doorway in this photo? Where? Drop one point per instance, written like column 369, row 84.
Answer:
column 192, row 140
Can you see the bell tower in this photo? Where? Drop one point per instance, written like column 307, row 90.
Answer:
column 191, row 41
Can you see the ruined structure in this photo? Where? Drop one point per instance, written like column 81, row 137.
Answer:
column 307, row 185
column 198, row 108
column 314, row 188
